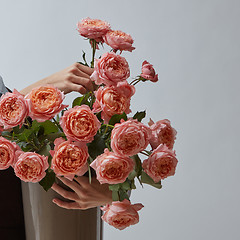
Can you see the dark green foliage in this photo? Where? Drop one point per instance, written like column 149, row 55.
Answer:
column 139, row 115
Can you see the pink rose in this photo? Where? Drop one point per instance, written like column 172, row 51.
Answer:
column 162, row 133
column 121, row 214
column 80, row 124
column 161, row 163
column 110, row 69
column 93, row 28
column 46, row 103
column 7, row 153
column 130, row 137
column 119, row 40
column 69, row 158
column 112, row 168
column 13, row 109
column 148, row 72
column 31, row 167
column 113, row 100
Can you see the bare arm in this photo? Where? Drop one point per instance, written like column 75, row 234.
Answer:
column 73, row 78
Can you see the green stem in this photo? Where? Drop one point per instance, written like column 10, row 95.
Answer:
column 58, row 125
column 136, row 82
column 94, row 47
column 133, row 81
column 108, row 125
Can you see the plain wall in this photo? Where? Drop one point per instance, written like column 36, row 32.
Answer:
column 194, row 46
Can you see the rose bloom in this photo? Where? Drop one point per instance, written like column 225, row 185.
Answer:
column 80, row 124
column 69, row 158
column 113, row 100
column 93, row 28
column 119, row 40
column 7, row 153
column 110, row 69
column 112, row 168
column 148, row 72
column 162, row 133
column 31, row 167
column 13, row 109
column 161, row 163
column 121, row 214
column 46, row 103
column 130, row 137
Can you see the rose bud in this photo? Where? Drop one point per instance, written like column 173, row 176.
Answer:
column 93, row 28
column 46, row 103
column 112, row 168
column 7, row 153
column 161, row 163
column 31, row 167
column 113, row 100
column 119, row 40
column 121, row 214
column 130, row 137
column 162, row 133
column 13, row 109
column 80, row 124
column 110, row 69
column 148, row 72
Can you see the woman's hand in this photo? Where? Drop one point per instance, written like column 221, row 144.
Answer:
column 74, row 78
column 84, row 195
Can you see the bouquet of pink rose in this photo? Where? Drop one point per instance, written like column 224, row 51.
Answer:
column 41, row 138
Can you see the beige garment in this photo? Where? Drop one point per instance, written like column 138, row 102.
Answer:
column 46, row 221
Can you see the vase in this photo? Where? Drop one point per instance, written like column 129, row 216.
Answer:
column 46, row 221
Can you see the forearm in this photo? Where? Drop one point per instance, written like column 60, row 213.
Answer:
column 28, row 89
column 73, row 78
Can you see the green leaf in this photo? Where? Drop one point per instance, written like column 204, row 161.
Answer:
column 97, row 146
column 126, row 185
column 77, row 101
column 85, row 99
column 114, row 187
column 51, row 137
column 133, row 186
column 45, row 150
column 115, row 196
column 123, row 195
column 48, row 180
column 49, row 127
column 84, row 59
column 116, row 118
column 139, row 115
column 148, row 180
column 17, row 130
column 137, row 168
column 25, row 135
column 138, row 164
column 132, row 175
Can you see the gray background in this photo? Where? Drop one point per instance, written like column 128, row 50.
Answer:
column 194, row 46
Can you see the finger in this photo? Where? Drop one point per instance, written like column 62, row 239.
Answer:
column 67, row 205
column 76, row 88
column 80, row 73
column 72, row 184
column 83, row 181
column 85, row 69
column 85, row 82
column 64, row 193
